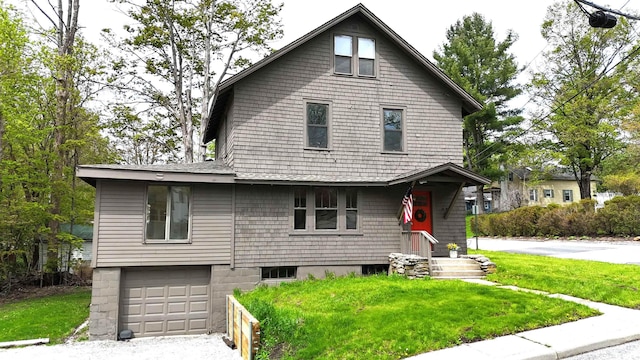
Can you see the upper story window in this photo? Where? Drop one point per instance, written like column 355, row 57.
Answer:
column 533, row 195
column 393, row 124
column 344, row 62
column 317, row 125
column 567, row 195
column 168, row 213
column 548, row 193
column 325, row 208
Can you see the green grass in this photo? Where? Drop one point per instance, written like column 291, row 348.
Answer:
column 470, row 232
column 383, row 317
column 613, row 284
column 53, row 316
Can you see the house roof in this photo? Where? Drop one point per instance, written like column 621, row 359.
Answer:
column 207, row 172
column 216, row 110
column 558, row 173
column 448, row 172
column 216, row 172
column 85, row 232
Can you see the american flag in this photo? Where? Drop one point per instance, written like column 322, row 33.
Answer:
column 407, row 204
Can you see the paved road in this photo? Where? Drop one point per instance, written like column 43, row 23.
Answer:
column 622, row 252
column 628, row 351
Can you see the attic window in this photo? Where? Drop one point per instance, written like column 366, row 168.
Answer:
column 344, row 46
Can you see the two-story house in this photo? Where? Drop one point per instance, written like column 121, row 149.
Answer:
column 316, row 145
column 526, row 187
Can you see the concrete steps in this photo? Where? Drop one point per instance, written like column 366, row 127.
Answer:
column 448, row 268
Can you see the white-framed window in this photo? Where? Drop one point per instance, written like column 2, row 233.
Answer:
column 533, row 195
column 168, row 214
column 344, row 61
column 317, row 124
column 325, row 209
column 548, row 193
column 567, row 195
column 393, row 129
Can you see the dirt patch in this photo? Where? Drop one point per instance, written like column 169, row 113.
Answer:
column 32, row 292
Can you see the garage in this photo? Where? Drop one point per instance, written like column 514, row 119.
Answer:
column 165, row 300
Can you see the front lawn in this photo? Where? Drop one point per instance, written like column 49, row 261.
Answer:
column 383, row 317
column 613, row 284
column 54, row 316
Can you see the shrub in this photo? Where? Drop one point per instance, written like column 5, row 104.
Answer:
column 574, row 219
column 620, row 216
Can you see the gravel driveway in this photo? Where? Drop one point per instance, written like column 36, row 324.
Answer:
column 209, row 347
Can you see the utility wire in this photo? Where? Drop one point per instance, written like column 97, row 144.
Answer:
column 599, row 7
column 535, row 122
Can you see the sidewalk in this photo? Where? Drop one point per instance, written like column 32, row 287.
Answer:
column 616, row 325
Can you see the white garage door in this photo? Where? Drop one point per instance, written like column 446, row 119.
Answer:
column 165, row 301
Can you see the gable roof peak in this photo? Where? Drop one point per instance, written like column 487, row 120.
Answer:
column 469, row 103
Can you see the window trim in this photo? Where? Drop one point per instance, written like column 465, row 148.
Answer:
column 567, row 191
column 310, row 223
column 403, row 142
column 355, row 55
column 329, row 103
column 168, row 240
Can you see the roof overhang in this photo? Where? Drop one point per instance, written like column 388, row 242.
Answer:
column 197, row 173
column 448, row 172
column 469, row 103
column 92, row 174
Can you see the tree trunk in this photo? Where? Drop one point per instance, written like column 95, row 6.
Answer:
column 585, row 184
column 66, row 33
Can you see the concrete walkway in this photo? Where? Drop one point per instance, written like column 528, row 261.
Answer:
column 616, row 325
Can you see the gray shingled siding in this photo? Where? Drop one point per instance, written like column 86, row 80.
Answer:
column 265, row 236
column 268, row 130
column 451, row 229
column 224, row 142
column 121, row 228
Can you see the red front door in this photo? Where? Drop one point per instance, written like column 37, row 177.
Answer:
column 422, row 212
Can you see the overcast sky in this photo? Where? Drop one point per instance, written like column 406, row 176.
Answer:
column 421, row 23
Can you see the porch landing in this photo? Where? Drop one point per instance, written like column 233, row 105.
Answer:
column 456, row 268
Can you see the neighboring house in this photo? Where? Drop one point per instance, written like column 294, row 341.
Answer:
column 523, row 187
column 470, row 200
column 316, row 146
column 83, row 253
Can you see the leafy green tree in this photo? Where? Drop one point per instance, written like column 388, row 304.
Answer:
column 47, row 130
column 581, row 80
column 485, row 68
column 178, row 51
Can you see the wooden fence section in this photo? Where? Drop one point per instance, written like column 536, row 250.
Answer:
column 242, row 328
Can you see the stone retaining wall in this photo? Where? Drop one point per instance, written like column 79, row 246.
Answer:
column 411, row 266
column 488, row 266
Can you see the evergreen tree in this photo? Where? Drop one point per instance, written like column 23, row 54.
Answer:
column 474, row 59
